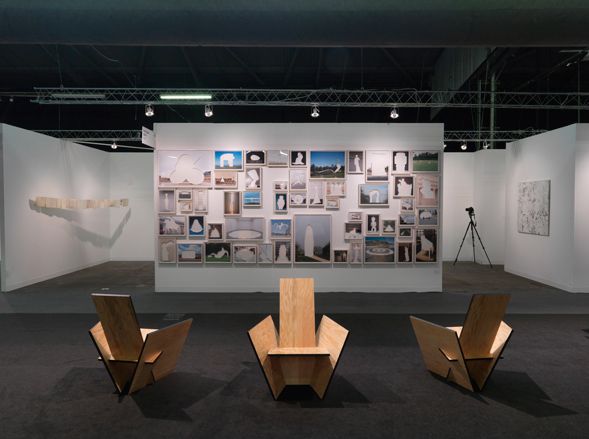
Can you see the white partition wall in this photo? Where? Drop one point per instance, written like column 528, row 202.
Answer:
column 328, row 277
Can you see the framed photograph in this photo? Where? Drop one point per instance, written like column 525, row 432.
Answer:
column 373, row 224
column 425, row 161
column 379, row 249
column 405, row 252
column 377, row 165
column 280, row 202
column 255, row 158
column 215, row 231
column 167, row 202
column 356, row 252
column 218, row 252
column 184, row 194
column 327, row 165
column 196, row 226
column 401, row 164
column 373, row 195
column 312, row 236
column 167, row 251
column 427, row 216
column 407, row 219
column 355, row 216
column 200, row 201
column 297, row 199
column 172, row 225
column 298, row 179
column 332, row 203
column 184, row 206
column 245, row 229
column 253, row 178
column 428, row 190
column 232, row 203
column 277, row 158
column 229, row 160
column 282, row 251
column 426, row 245
column 265, row 254
column 280, row 228
column 189, row 252
column 252, row 199
column 340, row 256
column 316, row 193
column 245, row 253
column 403, row 186
column 407, row 205
column 389, row 226
column 335, row 188
column 280, row 185
column 225, row 180
column 355, row 162
column 185, row 168
column 353, row 231
column 406, row 233
column 298, row 158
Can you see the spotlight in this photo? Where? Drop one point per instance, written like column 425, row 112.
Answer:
column 445, row 146
column 394, row 113
column 464, row 146
column 149, row 112
column 315, row 112
column 114, row 145
column 208, row 111
column 485, row 145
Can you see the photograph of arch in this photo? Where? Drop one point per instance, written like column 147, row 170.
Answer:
column 229, row 160
column 373, row 195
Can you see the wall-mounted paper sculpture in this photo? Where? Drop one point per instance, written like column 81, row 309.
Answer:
column 533, row 208
column 74, row 203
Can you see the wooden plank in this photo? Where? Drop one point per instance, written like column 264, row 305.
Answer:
column 264, row 337
column 160, row 354
column 310, row 351
column 482, row 322
column 120, row 325
column 120, row 374
column 298, row 370
column 297, row 312
column 437, row 344
column 333, row 337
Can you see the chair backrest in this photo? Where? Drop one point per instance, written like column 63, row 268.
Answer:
column 297, row 313
column 120, row 325
column 482, row 322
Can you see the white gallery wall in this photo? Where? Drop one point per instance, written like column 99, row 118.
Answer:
column 560, row 259
column 42, row 243
column 326, row 136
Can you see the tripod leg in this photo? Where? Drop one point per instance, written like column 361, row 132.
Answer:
column 461, row 244
column 474, row 255
column 482, row 245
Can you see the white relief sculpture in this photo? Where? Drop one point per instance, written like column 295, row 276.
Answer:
column 389, row 228
column 200, row 201
column 226, row 160
column 406, row 253
column 254, row 178
column 309, row 241
column 186, row 170
column 356, row 256
column 214, row 233
column 400, row 161
column 316, row 199
column 220, row 254
column 188, row 255
column 378, row 168
column 245, row 254
column 404, row 189
column 171, row 227
column 426, row 246
column 427, row 190
column 374, row 196
column 167, row 251
column 280, row 203
column 255, row 158
column 282, row 254
column 196, row 227
column 299, row 159
column 167, row 200
column 336, row 188
column 426, row 214
column 373, row 225
column 279, row 228
column 357, row 168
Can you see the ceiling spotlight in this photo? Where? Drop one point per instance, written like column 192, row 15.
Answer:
column 114, row 145
column 485, row 145
column 464, row 147
column 149, row 112
column 315, row 111
column 445, row 146
column 394, row 113
column 208, row 111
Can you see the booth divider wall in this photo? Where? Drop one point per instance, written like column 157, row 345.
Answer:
column 209, row 277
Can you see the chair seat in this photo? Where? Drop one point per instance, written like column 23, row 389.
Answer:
column 314, row 351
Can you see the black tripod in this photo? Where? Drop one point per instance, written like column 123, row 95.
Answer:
column 472, row 225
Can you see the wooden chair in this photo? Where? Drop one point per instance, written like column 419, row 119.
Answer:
column 298, row 355
column 134, row 357
column 466, row 355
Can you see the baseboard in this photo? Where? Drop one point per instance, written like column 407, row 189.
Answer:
column 191, row 290
column 133, row 259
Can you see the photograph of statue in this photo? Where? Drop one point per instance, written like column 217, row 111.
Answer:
column 355, row 162
column 298, row 159
column 389, row 226
column 426, row 245
column 327, row 164
column 245, row 254
column 373, row 224
column 196, row 226
column 428, row 188
column 172, row 225
column 316, row 193
column 405, row 252
column 427, row 216
column 403, row 186
column 312, row 238
column 280, row 202
column 340, row 256
column 400, row 162
column 255, row 158
column 253, row 178
column 185, row 168
column 215, row 231
column 167, row 202
column 218, row 252
column 378, row 164
column 167, row 251
column 282, row 252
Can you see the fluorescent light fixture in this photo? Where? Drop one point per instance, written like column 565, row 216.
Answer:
column 78, row 95
column 186, row 97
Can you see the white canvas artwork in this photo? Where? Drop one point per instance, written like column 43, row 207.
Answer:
column 533, row 208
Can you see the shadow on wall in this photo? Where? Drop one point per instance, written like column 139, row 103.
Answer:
column 72, row 217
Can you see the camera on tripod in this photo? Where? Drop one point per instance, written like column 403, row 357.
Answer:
column 472, row 227
column 470, row 211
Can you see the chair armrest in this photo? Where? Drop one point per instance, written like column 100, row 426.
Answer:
column 332, row 337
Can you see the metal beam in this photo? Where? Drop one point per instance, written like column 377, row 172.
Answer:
column 243, row 64
column 322, row 97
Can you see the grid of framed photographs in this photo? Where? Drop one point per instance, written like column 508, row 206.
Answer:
column 394, row 217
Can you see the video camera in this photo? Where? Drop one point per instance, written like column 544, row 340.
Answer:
column 470, row 211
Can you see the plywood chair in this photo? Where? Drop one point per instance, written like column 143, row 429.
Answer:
column 298, row 355
column 466, row 355
column 134, row 357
